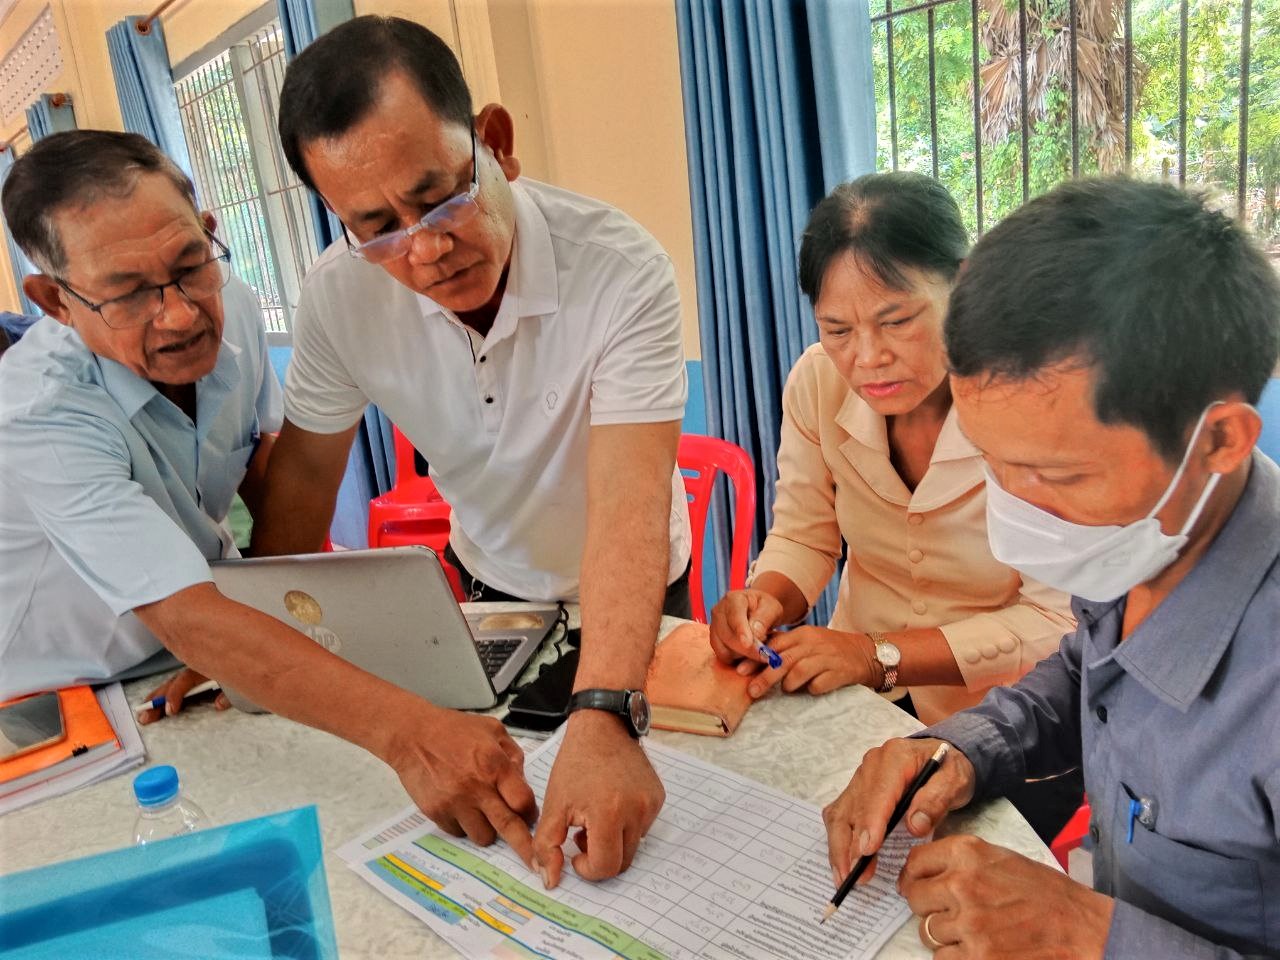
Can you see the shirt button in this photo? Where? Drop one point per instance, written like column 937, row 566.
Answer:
column 488, row 399
column 989, row 651
column 483, row 359
column 915, row 519
column 1007, row 644
column 919, row 606
column 1101, row 713
column 972, row 656
column 915, row 556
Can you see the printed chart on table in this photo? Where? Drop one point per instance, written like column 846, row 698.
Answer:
column 731, row 869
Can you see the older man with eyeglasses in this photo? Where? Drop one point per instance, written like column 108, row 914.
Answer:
column 527, row 341
column 129, row 418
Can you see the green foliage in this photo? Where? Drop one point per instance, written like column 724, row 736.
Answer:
column 1213, row 91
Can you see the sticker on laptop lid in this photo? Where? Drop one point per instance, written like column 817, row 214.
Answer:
column 509, row 621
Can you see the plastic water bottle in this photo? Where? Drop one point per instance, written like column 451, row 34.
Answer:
column 163, row 810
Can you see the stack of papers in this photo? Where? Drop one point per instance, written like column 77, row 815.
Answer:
column 730, row 869
column 90, row 754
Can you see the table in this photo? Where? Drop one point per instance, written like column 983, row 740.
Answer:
column 238, row 766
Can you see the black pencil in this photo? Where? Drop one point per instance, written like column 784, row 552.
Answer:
column 930, row 767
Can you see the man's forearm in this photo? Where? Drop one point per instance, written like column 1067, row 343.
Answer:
column 279, row 668
column 623, row 583
column 301, row 489
column 626, row 556
column 1030, row 729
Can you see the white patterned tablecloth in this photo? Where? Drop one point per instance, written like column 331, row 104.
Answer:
column 238, row 766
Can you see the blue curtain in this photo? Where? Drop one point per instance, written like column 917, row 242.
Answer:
column 779, row 107
column 22, row 267
column 371, row 469
column 144, row 87
column 43, row 118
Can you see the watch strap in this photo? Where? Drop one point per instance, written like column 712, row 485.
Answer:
column 610, row 701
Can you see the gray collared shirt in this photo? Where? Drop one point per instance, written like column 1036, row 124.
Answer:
column 1183, row 717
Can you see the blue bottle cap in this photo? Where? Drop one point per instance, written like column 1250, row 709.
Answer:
column 155, row 786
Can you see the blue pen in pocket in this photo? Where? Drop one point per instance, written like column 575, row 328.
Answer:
column 1141, row 810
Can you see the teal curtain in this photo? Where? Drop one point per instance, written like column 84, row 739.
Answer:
column 43, row 118
column 22, row 267
column 779, row 108
column 144, row 86
column 371, row 468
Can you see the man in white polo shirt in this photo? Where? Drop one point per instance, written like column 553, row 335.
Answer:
column 527, row 341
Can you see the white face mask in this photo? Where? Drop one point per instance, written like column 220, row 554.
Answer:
column 1093, row 563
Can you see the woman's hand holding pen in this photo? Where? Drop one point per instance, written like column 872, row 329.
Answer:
column 857, row 818
column 819, row 659
column 741, row 622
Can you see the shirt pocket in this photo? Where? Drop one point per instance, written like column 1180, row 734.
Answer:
column 1215, row 896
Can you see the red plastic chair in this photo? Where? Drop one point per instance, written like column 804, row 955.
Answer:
column 700, row 458
column 412, row 513
column 1071, row 835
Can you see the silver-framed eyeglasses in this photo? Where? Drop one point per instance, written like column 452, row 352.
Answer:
column 443, row 218
column 147, row 303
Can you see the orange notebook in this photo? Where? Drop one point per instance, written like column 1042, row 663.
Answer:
column 691, row 691
column 85, row 724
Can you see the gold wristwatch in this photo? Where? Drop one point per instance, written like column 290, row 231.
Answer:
column 889, row 656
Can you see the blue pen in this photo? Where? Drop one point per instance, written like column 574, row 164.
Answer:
column 770, row 654
column 157, row 703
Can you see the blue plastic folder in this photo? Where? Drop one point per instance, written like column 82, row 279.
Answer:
column 248, row 891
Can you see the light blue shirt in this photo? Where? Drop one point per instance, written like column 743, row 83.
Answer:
column 110, row 497
column 1184, row 715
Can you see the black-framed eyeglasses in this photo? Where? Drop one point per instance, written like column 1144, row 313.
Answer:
column 146, row 303
column 442, row 218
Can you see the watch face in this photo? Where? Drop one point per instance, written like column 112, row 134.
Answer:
column 888, row 654
column 638, row 706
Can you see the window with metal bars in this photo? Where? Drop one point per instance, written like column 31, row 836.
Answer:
column 1185, row 90
column 228, row 107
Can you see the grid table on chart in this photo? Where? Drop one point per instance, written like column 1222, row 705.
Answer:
column 725, row 873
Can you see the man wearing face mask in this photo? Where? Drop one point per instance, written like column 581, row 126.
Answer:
column 1107, row 344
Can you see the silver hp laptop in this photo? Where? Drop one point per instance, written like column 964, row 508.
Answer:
column 391, row 612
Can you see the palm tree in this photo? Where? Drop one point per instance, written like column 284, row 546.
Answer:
column 1100, row 71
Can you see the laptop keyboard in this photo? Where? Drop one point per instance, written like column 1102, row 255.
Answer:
column 496, row 651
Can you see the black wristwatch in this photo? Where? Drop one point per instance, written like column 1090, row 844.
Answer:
column 631, row 705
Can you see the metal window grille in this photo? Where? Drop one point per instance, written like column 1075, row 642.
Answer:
column 1002, row 99
column 228, row 108
column 289, row 207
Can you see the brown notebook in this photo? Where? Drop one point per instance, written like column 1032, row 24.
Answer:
column 690, row 690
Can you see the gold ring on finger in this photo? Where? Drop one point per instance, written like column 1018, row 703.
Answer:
column 932, row 942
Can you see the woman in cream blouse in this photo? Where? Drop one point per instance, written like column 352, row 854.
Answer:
column 872, row 462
